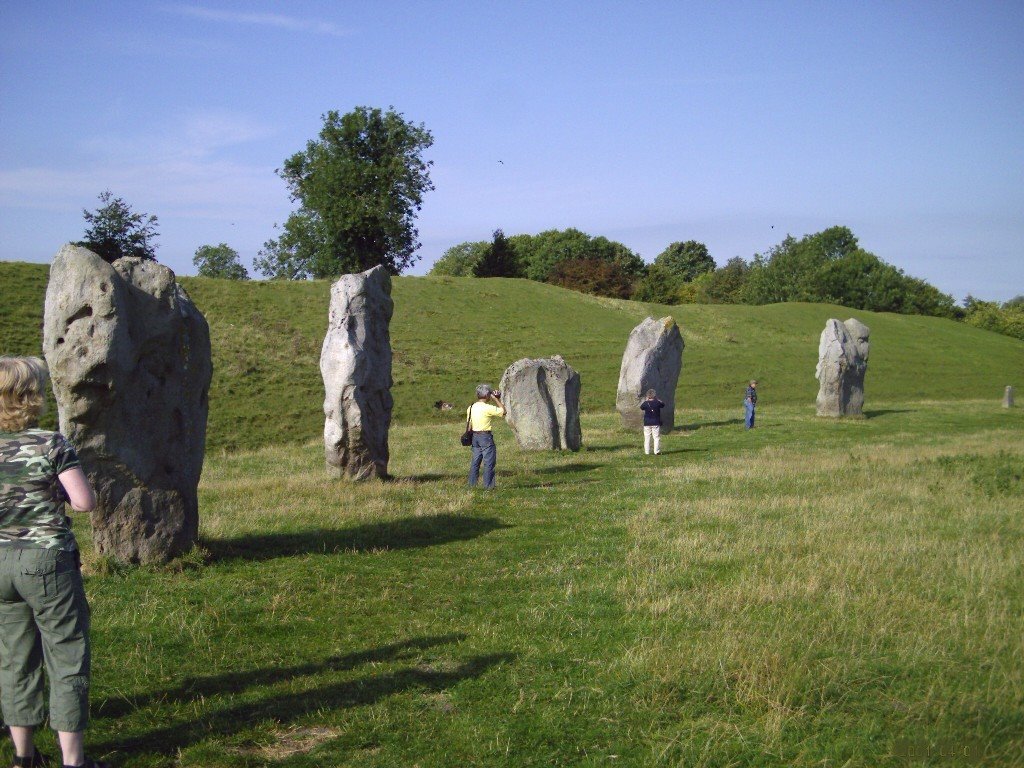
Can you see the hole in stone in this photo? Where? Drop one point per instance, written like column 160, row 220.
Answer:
column 84, row 312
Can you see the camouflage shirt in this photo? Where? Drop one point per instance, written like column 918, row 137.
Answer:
column 31, row 497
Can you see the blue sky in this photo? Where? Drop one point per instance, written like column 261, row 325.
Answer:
column 732, row 123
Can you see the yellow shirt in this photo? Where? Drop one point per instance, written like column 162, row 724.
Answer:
column 482, row 413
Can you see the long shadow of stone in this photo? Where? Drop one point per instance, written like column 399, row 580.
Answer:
column 885, row 412
column 406, row 533
column 289, row 707
column 197, row 688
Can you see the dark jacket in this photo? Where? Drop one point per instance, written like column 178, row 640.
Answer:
column 652, row 412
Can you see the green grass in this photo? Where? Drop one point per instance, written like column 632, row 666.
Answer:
column 812, row 593
column 450, row 333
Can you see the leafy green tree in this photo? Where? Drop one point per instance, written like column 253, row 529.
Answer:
column 659, row 286
column 627, row 260
column 219, row 261
column 863, row 281
column 114, row 230
column 359, row 186
column 498, row 260
column 686, row 260
column 789, row 271
column 988, row 315
column 1016, row 301
column 860, row 280
column 725, row 284
column 540, row 254
column 921, row 298
column 460, row 260
column 293, row 254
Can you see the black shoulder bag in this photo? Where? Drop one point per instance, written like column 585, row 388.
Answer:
column 467, row 436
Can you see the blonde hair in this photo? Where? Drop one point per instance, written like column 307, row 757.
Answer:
column 22, row 392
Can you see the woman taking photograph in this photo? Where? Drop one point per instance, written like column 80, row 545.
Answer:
column 479, row 416
column 43, row 611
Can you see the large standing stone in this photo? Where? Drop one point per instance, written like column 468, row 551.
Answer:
column 1008, row 397
column 842, row 362
column 356, row 366
column 652, row 360
column 129, row 357
column 542, row 400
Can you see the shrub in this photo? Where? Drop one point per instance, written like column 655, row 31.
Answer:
column 594, row 276
column 460, row 260
column 988, row 315
column 659, row 286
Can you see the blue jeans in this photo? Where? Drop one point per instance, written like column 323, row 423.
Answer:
column 749, row 408
column 485, row 452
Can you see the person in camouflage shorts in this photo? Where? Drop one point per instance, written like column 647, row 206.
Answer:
column 44, row 616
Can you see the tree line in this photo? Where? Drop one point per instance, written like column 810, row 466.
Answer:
column 360, row 183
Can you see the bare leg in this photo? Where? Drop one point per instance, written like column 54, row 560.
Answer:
column 72, row 745
column 22, row 738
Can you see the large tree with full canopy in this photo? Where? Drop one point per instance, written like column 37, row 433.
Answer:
column 359, row 185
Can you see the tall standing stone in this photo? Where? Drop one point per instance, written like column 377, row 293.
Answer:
column 1008, row 397
column 356, row 367
column 842, row 363
column 542, row 399
column 653, row 360
column 129, row 357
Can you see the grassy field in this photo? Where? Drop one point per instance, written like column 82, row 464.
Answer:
column 812, row 593
column 450, row 333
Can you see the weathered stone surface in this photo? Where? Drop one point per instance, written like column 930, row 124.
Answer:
column 1008, row 398
column 129, row 357
column 842, row 363
column 356, row 367
column 542, row 402
column 653, row 360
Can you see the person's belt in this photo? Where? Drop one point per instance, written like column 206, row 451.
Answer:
column 484, row 431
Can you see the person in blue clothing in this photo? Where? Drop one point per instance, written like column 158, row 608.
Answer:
column 652, row 421
column 750, row 404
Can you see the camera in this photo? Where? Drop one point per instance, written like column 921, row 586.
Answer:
column 496, row 393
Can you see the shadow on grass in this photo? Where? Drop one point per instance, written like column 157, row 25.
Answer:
column 695, row 427
column 670, row 451
column 197, row 688
column 288, row 707
column 885, row 412
column 429, row 477
column 406, row 533
column 557, row 483
column 557, row 469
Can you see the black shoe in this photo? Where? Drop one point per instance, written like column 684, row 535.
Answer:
column 37, row 759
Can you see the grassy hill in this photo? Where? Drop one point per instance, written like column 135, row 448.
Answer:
column 450, row 333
